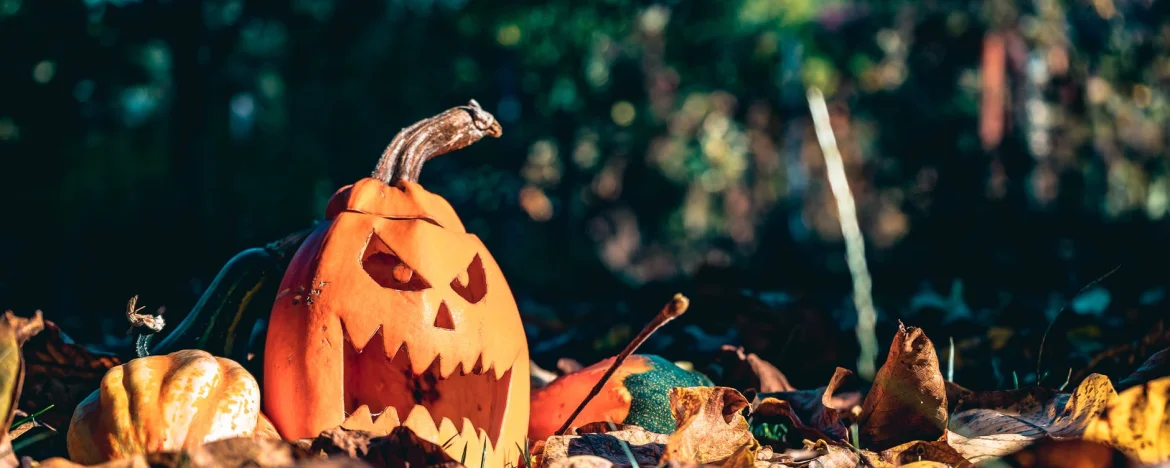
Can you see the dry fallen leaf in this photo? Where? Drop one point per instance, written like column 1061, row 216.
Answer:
column 400, row 448
column 908, row 400
column 743, row 370
column 333, row 448
column 581, row 461
column 1137, row 421
column 1124, row 358
column 994, row 424
column 1076, row 453
column 821, row 408
column 745, row 457
column 836, row 456
column 14, row 332
column 61, row 373
column 1156, row 366
column 33, row 430
column 921, row 451
column 241, row 451
column 826, row 418
column 710, row 425
column 646, row 447
column 775, row 411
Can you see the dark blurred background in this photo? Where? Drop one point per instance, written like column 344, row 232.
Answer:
column 1003, row 155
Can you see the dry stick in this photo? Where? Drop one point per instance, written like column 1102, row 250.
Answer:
column 854, row 244
column 671, row 311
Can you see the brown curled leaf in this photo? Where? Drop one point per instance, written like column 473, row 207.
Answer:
column 1156, row 366
column 400, row 449
column 908, row 401
column 61, row 373
column 711, row 426
column 742, row 370
column 921, row 451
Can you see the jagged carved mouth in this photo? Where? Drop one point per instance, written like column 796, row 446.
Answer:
column 383, row 390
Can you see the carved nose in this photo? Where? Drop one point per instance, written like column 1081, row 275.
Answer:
column 443, row 319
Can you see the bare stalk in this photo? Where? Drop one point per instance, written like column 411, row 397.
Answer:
column 851, row 231
column 677, row 305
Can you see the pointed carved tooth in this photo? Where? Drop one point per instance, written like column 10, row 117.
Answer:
column 394, row 347
column 511, row 362
column 420, row 362
column 359, row 420
column 447, row 430
column 359, row 333
column 467, row 429
column 386, row 421
column 448, row 366
column 420, row 421
column 474, row 443
column 476, row 367
column 486, row 445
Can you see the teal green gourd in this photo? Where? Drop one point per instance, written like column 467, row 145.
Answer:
column 241, row 295
column 650, row 393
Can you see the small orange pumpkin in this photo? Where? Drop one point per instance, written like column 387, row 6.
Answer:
column 165, row 402
column 391, row 314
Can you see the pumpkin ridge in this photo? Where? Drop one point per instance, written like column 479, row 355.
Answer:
column 202, row 419
column 186, row 363
column 163, row 403
column 140, row 441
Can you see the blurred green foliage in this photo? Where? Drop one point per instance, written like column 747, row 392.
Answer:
column 147, row 141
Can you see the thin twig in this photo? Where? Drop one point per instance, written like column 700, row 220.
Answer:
column 851, row 231
column 671, row 311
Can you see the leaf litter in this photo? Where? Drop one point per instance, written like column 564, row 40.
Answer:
column 909, row 416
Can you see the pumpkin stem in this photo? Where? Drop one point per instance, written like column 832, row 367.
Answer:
column 143, row 326
column 454, row 129
column 677, row 305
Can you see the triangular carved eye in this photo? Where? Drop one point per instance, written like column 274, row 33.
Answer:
column 388, row 270
column 471, row 285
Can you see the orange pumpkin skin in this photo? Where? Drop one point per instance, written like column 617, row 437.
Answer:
column 391, row 307
column 554, row 403
column 162, row 403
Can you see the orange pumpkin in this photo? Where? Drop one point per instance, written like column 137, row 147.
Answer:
column 392, row 313
column 165, row 402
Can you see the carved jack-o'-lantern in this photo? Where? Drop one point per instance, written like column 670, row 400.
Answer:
column 391, row 313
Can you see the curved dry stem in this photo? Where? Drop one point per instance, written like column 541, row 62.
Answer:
column 454, row 129
column 676, row 307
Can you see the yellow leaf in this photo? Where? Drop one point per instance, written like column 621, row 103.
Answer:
column 1137, row 422
column 1002, row 422
column 711, row 427
column 14, row 331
